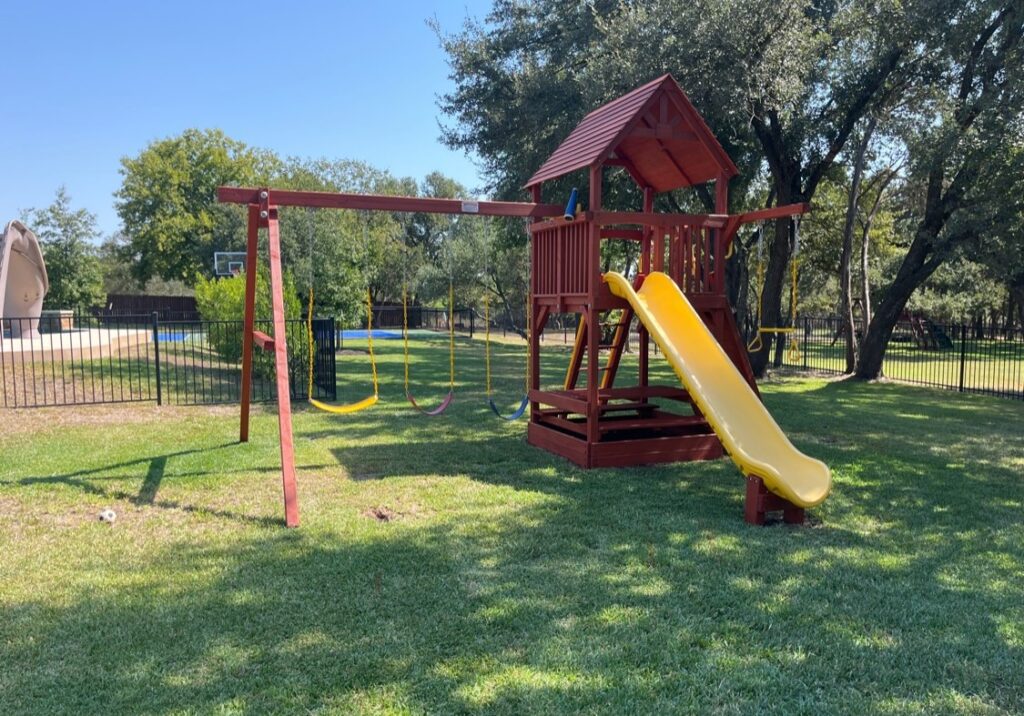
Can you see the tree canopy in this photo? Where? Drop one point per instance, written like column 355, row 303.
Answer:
column 785, row 86
column 167, row 201
column 66, row 236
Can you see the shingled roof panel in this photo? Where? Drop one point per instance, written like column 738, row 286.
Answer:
column 688, row 154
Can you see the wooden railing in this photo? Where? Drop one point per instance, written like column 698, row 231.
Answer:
column 691, row 253
column 694, row 263
column 560, row 260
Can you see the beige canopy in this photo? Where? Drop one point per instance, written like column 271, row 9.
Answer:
column 23, row 281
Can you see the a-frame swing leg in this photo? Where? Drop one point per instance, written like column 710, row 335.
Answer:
column 265, row 216
column 252, row 238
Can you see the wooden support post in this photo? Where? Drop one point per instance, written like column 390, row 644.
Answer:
column 643, row 357
column 252, row 239
column 760, row 501
column 263, row 341
column 658, row 261
column 533, row 339
column 593, row 315
column 718, row 238
column 268, row 214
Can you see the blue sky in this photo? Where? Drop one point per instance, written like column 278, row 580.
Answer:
column 87, row 83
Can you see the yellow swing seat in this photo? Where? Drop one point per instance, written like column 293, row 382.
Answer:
column 793, row 354
column 450, row 397
column 347, row 408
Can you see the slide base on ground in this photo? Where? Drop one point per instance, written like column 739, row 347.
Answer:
column 747, row 430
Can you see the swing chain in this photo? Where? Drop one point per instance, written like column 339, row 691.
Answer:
column 451, row 307
column 756, row 343
column 309, row 310
column 366, row 402
column 793, row 351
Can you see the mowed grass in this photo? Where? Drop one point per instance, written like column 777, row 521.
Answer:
column 505, row 580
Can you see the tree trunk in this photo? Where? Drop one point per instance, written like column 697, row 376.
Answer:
column 865, row 279
column 865, row 252
column 846, row 256
column 918, row 265
column 1015, row 312
column 737, row 275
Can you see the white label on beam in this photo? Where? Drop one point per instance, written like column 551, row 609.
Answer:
column 470, row 207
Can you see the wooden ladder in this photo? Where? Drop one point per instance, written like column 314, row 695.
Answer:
column 618, row 344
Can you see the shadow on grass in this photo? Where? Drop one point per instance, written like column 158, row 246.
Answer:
column 85, row 480
column 548, row 589
column 637, row 604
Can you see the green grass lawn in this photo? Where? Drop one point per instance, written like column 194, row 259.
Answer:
column 505, row 580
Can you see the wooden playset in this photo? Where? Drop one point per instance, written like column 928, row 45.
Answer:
column 657, row 137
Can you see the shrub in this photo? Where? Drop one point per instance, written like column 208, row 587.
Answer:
column 223, row 299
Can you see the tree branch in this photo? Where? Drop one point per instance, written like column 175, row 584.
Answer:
column 874, row 79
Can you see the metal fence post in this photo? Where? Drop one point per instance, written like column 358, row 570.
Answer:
column 156, row 355
column 807, row 336
column 332, row 361
column 963, row 353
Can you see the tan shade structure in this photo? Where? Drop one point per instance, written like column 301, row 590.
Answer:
column 23, row 281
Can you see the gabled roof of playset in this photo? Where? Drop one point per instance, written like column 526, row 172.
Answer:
column 653, row 131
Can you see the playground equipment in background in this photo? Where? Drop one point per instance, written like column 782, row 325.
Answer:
column 657, row 137
column 371, row 399
column 756, row 344
column 23, row 281
column 926, row 333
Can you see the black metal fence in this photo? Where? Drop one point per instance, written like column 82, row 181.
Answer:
column 953, row 356
column 87, row 359
column 423, row 318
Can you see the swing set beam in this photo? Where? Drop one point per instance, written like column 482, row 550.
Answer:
column 377, row 202
column 263, row 206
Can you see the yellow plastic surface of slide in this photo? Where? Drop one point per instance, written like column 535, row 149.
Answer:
column 747, row 430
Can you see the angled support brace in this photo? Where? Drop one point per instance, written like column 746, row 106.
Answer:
column 263, row 341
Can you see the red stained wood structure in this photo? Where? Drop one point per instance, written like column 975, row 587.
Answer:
column 262, row 215
column 655, row 135
column 263, row 206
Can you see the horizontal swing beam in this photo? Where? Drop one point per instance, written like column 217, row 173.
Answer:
column 775, row 212
column 377, row 202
